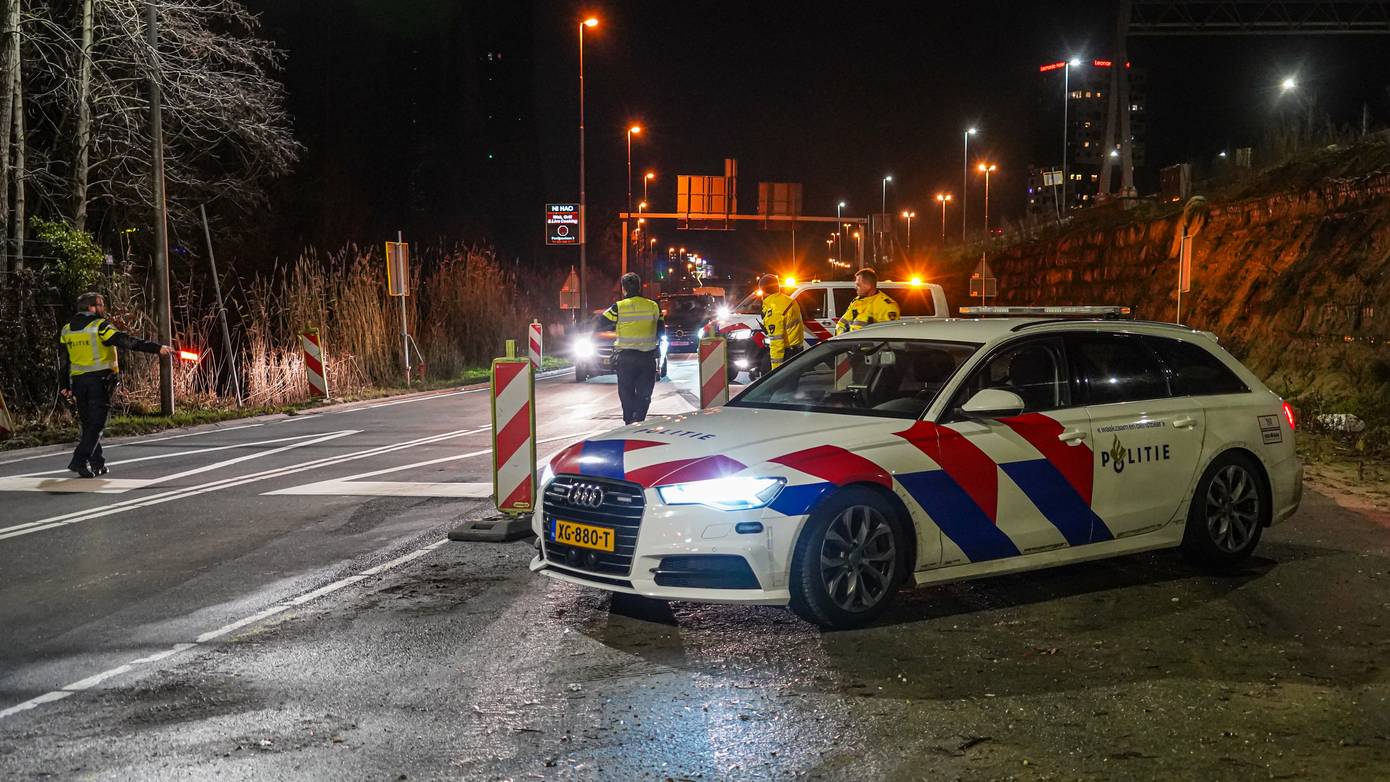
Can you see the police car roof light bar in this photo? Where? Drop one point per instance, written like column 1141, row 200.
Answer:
column 1090, row 311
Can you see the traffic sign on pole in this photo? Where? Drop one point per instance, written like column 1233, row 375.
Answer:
column 714, row 372
column 562, row 223
column 397, row 268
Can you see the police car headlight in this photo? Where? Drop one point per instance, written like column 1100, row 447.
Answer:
column 583, row 348
column 741, row 334
column 723, row 493
column 722, row 313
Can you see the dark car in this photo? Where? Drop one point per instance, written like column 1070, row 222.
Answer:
column 591, row 349
column 686, row 314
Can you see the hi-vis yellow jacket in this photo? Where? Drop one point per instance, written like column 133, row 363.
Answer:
column 782, row 323
column 639, row 323
column 864, row 310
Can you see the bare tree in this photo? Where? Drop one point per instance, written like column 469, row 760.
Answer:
column 9, row 63
column 87, row 65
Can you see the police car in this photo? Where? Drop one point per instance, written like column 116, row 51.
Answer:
column 929, row 451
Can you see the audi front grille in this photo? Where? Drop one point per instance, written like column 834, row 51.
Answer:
column 619, row 507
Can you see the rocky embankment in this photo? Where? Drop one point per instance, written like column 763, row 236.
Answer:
column 1295, row 283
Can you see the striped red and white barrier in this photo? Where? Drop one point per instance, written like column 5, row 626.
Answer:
column 6, row 420
column 313, row 363
column 843, row 375
column 513, row 434
column 714, row 372
column 533, row 344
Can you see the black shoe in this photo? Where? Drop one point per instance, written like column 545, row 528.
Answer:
column 82, row 470
column 99, row 471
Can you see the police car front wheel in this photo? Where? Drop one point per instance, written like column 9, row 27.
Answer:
column 849, row 560
column 1228, row 512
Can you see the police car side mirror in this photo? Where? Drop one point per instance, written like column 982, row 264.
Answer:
column 990, row 403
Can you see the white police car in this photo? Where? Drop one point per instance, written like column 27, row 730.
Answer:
column 931, row 451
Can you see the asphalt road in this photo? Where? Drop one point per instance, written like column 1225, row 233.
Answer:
column 274, row 600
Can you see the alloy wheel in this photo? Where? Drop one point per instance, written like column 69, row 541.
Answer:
column 858, row 558
column 1232, row 508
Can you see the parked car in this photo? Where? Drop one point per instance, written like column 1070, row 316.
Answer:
column 687, row 317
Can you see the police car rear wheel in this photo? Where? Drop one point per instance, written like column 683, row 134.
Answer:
column 1227, row 513
column 849, row 560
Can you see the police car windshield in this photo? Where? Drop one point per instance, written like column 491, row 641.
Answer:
column 874, row 377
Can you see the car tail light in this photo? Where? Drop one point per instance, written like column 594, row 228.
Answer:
column 1288, row 415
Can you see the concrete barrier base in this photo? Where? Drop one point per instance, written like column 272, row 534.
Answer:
column 493, row 529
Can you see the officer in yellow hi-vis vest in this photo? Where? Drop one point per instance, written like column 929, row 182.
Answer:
column 871, row 305
column 781, row 322
column 87, row 369
column 636, row 350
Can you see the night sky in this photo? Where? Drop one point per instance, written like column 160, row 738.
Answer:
column 394, row 103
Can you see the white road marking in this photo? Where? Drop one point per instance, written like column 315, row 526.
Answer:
column 352, row 486
column 476, row 491
column 154, row 499
column 140, row 441
column 227, row 483
column 97, row 678
column 71, row 485
column 178, row 454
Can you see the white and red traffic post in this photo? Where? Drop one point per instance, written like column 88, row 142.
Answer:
column 513, row 433
column 843, row 376
column 533, row 344
column 313, row 363
column 714, row 372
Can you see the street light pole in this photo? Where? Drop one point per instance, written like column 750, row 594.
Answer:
column 909, row 214
column 965, row 183
column 987, row 168
column 943, row 198
column 583, row 238
column 839, row 232
column 1066, row 128
column 629, row 239
column 883, row 210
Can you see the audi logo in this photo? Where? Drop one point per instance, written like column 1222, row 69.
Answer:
column 587, row 495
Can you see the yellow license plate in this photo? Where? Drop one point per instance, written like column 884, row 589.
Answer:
column 583, row 535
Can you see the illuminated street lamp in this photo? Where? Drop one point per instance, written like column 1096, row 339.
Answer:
column 1066, row 128
column 632, row 130
column 858, row 246
column 942, row 198
column 986, row 169
column 909, row 214
column 879, row 251
column 1288, row 84
column 965, row 182
column 647, row 180
column 583, row 244
column 839, row 231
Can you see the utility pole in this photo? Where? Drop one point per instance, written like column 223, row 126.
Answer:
column 19, row 163
column 583, row 216
column 161, row 219
column 84, row 122
column 10, row 64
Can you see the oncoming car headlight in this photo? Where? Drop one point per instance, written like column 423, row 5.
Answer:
column 741, row 334
column 723, row 493
column 583, row 347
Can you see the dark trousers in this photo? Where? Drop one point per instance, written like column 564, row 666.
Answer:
column 93, row 393
column 636, row 377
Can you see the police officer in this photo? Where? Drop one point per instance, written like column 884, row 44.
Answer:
column 871, row 305
column 781, row 321
column 87, row 372
column 635, row 350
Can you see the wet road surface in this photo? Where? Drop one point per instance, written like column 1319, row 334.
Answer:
column 427, row 660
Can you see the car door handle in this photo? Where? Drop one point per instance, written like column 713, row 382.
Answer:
column 1072, row 437
column 1186, row 422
